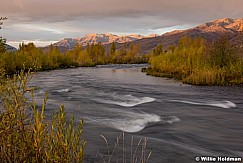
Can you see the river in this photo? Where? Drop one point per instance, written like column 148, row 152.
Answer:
column 179, row 121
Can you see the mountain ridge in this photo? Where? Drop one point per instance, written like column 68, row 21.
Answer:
column 210, row 31
column 104, row 39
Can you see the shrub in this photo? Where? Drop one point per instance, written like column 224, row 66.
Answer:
column 198, row 62
column 26, row 135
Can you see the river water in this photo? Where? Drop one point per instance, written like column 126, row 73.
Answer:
column 179, row 121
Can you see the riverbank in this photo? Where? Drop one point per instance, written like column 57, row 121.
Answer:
column 200, row 78
column 198, row 62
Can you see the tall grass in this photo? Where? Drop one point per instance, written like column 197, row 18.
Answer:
column 133, row 151
column 26, row 135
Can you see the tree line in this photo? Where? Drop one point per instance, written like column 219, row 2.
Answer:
column 200, row 62
column 94, row 54
column 29, row 56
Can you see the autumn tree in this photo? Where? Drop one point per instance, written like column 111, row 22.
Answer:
column 113, row 49
column 124, row 49
column 158, row 50
column 170, row 49
column 222, row 53
column 75, row 52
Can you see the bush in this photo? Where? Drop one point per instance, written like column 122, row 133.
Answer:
column 26, row 135
column 195, row 61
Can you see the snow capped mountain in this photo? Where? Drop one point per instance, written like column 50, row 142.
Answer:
column 100, row 38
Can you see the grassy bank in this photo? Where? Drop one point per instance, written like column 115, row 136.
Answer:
column 198, row 62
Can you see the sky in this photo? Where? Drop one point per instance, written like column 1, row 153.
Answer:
column 47, row 21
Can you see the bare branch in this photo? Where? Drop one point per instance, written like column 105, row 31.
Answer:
column 1, row 21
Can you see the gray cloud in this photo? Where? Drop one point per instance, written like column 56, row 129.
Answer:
column 55, row 19
column 63, row 10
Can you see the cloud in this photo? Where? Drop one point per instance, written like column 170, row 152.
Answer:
column 36, row 42
column 35, row 27
column 63, row 10
column 54, row 19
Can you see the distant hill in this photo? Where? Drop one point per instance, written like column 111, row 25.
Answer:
column 69, row 43
column 231, row 28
